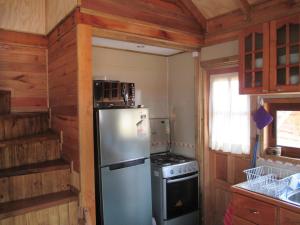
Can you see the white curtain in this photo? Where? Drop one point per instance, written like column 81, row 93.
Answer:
column 229, row 115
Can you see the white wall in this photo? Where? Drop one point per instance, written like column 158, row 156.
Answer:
column 148, row 72
column 226, row 49
column 181, row 103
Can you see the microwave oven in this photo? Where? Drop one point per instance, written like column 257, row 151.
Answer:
column 110, row 94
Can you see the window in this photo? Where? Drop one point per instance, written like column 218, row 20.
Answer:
column 285, row 128
column 229, row 115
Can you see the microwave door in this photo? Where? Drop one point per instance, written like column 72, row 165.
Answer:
column 124, row 135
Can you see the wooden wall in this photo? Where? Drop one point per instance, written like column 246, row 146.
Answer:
column 61, row 214
column 224, row 170
column 63, row 93
column 23, row 71
column 56, row 10
column 25, row 15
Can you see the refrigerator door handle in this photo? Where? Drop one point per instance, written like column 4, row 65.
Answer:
column 127, row 164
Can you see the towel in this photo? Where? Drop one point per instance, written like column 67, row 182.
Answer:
column 229, row 214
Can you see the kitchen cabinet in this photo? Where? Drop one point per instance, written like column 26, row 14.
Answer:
column 253, row 210
column 284, row 55
column 254, row 59
column 287, row 217
column 238, row 221
column 269, row 57
column 250, row 208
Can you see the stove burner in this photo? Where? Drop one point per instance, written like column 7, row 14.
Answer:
column 168, row 159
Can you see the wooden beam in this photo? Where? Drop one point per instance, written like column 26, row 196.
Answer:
column 147, row 31
column 245, row 7
column 166, row 14
column 260, row 13
column 195, row 12
column 23, row 38
column 85, row 115
column 121, row 36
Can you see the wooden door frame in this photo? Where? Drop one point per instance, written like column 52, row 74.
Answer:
column 215, row 66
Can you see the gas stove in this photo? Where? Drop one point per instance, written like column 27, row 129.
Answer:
column 172, row 165
column 175, row 193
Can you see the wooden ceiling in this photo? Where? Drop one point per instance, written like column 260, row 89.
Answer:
column 214, row 8
column 192, row 22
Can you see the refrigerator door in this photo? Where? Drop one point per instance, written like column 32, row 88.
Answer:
column 126, row 195
column 123, row 135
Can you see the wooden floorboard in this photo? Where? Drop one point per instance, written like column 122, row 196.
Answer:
column 58, row 164
column 20, row 207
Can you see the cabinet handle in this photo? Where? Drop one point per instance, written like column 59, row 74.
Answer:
column 279, row 89
column 254, row 211
column 265, row 91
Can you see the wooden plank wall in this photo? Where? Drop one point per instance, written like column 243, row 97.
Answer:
column 63, row 93
column 26, row 16
column 64, row 214
column 32, row 185
column 224, row 170
column 23, row 71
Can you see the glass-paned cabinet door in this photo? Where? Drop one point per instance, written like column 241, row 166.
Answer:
column 284, row 55
column 254, row 60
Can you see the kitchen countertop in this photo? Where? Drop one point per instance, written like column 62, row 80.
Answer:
column 242, row 189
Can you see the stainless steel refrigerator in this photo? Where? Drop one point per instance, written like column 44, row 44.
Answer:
column 123, row 177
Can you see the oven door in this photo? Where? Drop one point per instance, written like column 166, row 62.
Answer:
column 180, row 196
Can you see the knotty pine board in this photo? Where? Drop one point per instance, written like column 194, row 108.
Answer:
column 32, row 185
column 13, row 155
column 63, row 93
column 172, row 15
column 20, row 125
column 23, row 71
column 4, row 102
column 63, row 214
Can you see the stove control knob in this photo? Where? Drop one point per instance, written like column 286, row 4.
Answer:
column 172, row 172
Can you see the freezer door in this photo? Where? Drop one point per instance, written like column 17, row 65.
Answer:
column 123, row 135
column 126, row 195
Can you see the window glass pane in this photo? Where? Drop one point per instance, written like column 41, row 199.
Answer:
column 229, row 115
column 294, row 75
column 288, row 128
column 258, row 41
column 294, row 33
column 281, row 56
column 294, row 54
column 259, row 60
column 248, row 80
column 281, row 35
column 248, row 43
column 248, row 62
column 281, row 75
column 258, row 79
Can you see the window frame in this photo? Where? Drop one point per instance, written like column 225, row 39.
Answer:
column 272, row 106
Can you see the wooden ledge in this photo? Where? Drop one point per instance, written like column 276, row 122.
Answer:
column 47, row 166
column 15, row 208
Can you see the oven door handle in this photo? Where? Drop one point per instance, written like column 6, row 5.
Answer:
column 182, row 179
